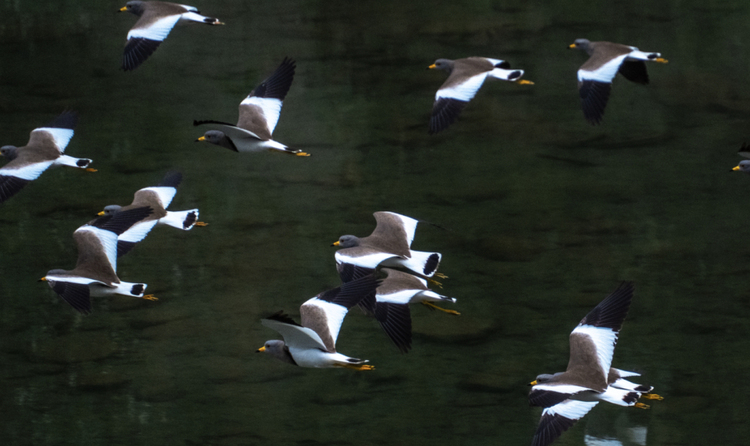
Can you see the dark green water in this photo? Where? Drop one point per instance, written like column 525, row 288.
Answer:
column 545, row 215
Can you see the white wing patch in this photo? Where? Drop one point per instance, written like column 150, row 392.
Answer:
column 367, row 261
column 61, row 136
column 72, row 279
column 158, row 30
column 605, row 73
column 409, row 224
column 271, row 109
column 165, row 194
column 28, row 172
column 138, row 231
column 399, row 297
column 503, row 74
column 464, row 91
column 335, row 315
column 193, row 17
column 571, row 409
column 108, row 240
column 604, row 339
column 568, row 389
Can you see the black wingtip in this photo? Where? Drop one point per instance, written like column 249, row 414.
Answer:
column 280, row 316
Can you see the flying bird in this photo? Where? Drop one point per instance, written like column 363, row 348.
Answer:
column 156, row 20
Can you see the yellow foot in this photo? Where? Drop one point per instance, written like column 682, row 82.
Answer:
column 301, row 154
column 434, row 282
column 358, row 367
column 200, row 223
column 652, row 396
column 642, row 406
column 433, row 306
column 524, row 82
column 441, row 275
column 150, row 297
column 91, row 170
column 661, row 60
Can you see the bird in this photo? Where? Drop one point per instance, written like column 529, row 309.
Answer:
column 95, row 271
column 313, row 343
column 744, row 165
column 465, row 77
column 390, row 304
column 158, row 198
column 605, row 61
column 259, row 114
column 156, row 20
column 388, row 245
column 45, row 148
column 589, row 378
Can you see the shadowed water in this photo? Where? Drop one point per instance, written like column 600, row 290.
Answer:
column 544, row 215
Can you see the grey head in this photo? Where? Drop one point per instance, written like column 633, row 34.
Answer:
column 347, row 241
column 443, row 64
column 135, row 7
column 218, row 138
column 582, row 44
column 545, row 377
column 111, row 209
column 278, row 350
column 10, row 152
column 744, row 166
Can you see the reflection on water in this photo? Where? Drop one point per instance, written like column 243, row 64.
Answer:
column 544, row 214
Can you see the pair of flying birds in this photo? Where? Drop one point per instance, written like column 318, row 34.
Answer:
column 365, row 268
column 103, row 240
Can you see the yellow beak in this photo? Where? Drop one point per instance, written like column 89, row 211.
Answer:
column 532, row 383
column 260, row 350
column 736, row 168
column 123, row 9
column 336, row 243
column 202, row 138
column 100, row 213
column 431, row 67
column 43, row 279
column 572, row 45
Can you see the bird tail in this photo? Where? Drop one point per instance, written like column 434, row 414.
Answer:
column 184, row 220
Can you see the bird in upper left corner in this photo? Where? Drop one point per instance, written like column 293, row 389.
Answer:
column 156, row 20
column 45, row 148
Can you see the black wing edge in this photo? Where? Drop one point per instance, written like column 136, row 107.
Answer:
column 124, row 247
column 546, row 398
column 211, row 121
column 396, row 322
column 65, row 120
column 280, row 316
column 137, row 50
column 10, row 185
column 277, row 85
column 611, row 312
column 550, row 428
column 594, row 97
column 171, row 179
column 351, row 293
column 349, row 272
column 75, row 294
column 634, row 71
column 123, row 220
column 445, row 111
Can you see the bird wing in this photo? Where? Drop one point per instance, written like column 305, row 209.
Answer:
column 295, row 336
column 559, row 418
column 266, row 99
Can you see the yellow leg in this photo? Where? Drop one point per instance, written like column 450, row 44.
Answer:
column 524, row 82
column 433, row 306
column 358, row 367
column 642, row 406
column 434, row 282
column 150, row 297
column 652, row 396
column 441, row 275
column 91, row 170
column 302, row 154
column 200, row 223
